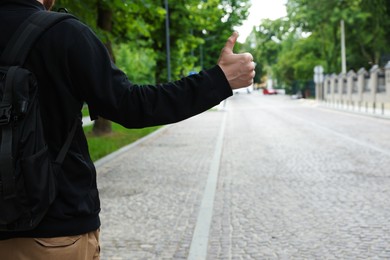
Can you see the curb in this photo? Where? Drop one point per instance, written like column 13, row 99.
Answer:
column 111, row 156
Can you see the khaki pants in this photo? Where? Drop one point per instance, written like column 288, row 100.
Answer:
column 82, row 247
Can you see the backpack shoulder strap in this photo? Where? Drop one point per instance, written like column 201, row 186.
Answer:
column 28, row 32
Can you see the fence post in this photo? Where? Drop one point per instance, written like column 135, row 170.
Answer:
column 319, row 81
column 387, row 80
column 373, row 81
column 342, row 82
column 326, row 89
column 332, row 87
column 361, row 86
column 350, row 82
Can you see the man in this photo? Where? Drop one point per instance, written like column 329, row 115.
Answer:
column 72, row 67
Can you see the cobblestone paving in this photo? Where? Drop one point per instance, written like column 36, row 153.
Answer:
column 151, row 194
column 296, row 181
column 308, row 184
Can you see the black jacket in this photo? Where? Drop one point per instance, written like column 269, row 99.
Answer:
column 72, row 67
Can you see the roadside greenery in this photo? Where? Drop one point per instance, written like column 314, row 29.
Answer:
column 136, row 32
column 120, row 136
column 85, row 111
column 288, row 48
column 100, row 146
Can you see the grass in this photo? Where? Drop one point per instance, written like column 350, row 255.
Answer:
column 100, row 146
column 85, row 111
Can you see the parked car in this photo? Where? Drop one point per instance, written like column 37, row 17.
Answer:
column 269, row 91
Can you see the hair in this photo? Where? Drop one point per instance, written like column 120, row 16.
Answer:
column 48, row 4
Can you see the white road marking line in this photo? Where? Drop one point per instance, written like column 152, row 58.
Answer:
column 200, row 239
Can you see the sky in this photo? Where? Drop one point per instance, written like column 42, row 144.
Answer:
column 261, row 9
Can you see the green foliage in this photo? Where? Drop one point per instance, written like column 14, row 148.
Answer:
column 288, row 48
column 231, row 13
column 86, row 11
column 120, row 136
column 198, row 28
column 137, row 63
column 85, row 111
column 366, row 26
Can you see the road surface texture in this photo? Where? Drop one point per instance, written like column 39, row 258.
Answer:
column 267, row 177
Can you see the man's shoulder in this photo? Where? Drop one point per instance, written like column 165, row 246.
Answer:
column 71, row 23
column 69, row 31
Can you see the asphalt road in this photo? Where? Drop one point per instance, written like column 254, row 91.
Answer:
column 265, row 178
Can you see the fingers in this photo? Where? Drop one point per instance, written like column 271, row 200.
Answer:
column 230, row 43
column 246, row 57
column 242, row 74
column 247, row 78
column 253, row 65
column 247, row 70
column 246, row 61
column 239, row 69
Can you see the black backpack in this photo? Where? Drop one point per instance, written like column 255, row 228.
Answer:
column 27, row 172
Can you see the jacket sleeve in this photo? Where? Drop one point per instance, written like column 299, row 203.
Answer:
column 111, row 95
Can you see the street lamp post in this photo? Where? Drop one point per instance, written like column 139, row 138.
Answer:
column 343, row 58
column 168, row 40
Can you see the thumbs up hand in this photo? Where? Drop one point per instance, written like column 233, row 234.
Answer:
column 239, row 69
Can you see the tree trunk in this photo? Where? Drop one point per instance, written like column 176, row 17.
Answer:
column 104, row 21
column 102, row 127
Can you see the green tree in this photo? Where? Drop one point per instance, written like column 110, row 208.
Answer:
column 139, row 26
column 368, row 34
column 265, row 44
column 197, row 28
column 229, row 14
column 366, row 23
column 185, row 17
column 289, row 48
column 135, row 63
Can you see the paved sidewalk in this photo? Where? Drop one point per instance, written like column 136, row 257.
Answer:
column 293, row 180
column 151, row 194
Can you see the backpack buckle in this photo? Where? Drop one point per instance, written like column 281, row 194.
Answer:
column 5, row 114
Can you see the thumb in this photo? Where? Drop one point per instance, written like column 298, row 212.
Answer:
column 231, row 42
